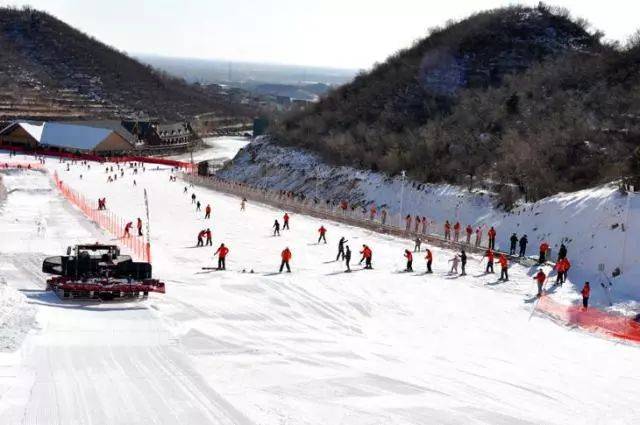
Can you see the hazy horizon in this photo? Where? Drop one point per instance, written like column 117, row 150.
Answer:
column 352, row 35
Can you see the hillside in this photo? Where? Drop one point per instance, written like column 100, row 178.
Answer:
column 51, row 70
column 500, row 97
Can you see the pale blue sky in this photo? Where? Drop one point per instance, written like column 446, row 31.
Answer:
column 337, row 33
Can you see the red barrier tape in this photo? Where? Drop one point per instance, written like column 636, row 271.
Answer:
column 592, row 319
column 107, row 220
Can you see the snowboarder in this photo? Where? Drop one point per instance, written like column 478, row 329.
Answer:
column 523, row 245
column 463, row 263
column 454, row 266
column 286, row 257
column 285, row 218
column 469, row 232
column 347, row 258
column 562, row 252
column 139, row 226
column 586, row 291
column 489, row 254
column 456, row 231
column 322, row 236
column 447, row 230
column 341, row 243
column 127, row 229
column 504, row 267
column 409, row 256
column 276, row 228
column 207, row 212
column 222, row 252
column 429, row 258
column 366, row 256
column 492, row 238
column 207, row 233
column 540, row 278
column 201, row 235
column 243, row 203
column 514, row 242
column 544, row 247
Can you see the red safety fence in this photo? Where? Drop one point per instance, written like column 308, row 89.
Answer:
column 592, row 319
column 140, row 249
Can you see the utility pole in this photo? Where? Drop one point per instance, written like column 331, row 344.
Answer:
column 403, row 172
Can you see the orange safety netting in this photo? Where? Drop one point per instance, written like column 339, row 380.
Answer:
column 592, row 319
column 109, row 221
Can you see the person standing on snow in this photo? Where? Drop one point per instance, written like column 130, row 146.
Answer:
column 562, row 267
column 286, row 257
column 562, row 252
column 429, row 258
column 276, row 228
column 463, row 263
column 514, row 241
column 372, row 212
column 409, row 256
column 504, row 267
column 322, row 232
column 447, row 230
column 540, row 278
column 492, row 238
column 489, row 254
column 544, row 247
column 469, row 232
column 243, row 203
column 478, row 236
column 407, row 220
column 454, row 266
column 222, row 252
column 523, row 245
column 139, row 226
column 347, row 259
column 207, row 233
column 417, row 224
column 383, row 217
column 366, row 256
column 201, row 235
column 586, row 292
column 418, row 242
column 127, row 229
column 207, row 212
column 285, row 218
column 341, row 243
column 198, row 206
column 425, row 225
column 193, row 198
column 456, row 231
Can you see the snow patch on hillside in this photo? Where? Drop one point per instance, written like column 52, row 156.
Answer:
column 598, row 225
column 16, row 316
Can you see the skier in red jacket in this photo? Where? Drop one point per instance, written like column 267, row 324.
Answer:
column 207, row 212
column 366, row 256
column 222, row 252
column 409, row 256
column 429, row 258
column 540, row 278
column 469, row 233
column 492, row 237
column 586, row 291
column 127, row 229
column 447, row 230
column 286, row 257
column 286, row 221
column 322, row 232
column 456, row 231
column 489, row 254
column 504, row 267
column 201, row 235
column 207, row 233
column 544, row 247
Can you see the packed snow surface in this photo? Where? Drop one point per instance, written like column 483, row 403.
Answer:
column 317, row 346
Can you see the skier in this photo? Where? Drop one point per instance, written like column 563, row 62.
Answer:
column 222, row 252
column 478, row 236
column 544, row 247
column 185, row 190
column 469, row 232
column 454, row 266
column 562, row 252
column 492, row 238
column 418, row 242
column 366, row 256
column 193, row 198
column 514, row 241
column 456, row 231
column 198, row 206
column 322, row 232
column 463, row 263
column 201, row 235
column 372, row 212
column 383, row 217
column 562, row 268
column 586, row 291
column 207, row 233
column 341, row 243
column 347, row 258
column 243, row 203
column 504, row 267
column 139, row 226
column 523, row 245
column 489, row 254
column 127, row 229
column 285, row 218
column 429, row 258
column 540, row 278
column 409, row 256
column 286, row 257
column 207, row 212
column 276, row 228
column 447, row 230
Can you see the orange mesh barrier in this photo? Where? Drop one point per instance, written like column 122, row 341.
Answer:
column 592, row 319
column 140, row 249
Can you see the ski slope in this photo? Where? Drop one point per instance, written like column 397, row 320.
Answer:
column 314, row 346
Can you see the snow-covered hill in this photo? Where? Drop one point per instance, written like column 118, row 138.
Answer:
column 599, row 225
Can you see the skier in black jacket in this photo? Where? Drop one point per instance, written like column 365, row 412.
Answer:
column 514, row 241
column 341, row 243
column 523, row 245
